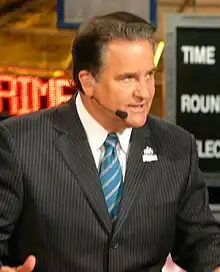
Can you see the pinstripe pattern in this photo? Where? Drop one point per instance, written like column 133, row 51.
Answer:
column 52, row 204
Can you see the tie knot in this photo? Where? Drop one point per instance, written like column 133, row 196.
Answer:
column 111, row 140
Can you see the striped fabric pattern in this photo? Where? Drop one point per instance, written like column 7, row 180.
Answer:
column 111, row 176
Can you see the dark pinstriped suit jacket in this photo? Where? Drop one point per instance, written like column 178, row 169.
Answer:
column 52, row 205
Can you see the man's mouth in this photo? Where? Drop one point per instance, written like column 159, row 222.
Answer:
column 137, row 108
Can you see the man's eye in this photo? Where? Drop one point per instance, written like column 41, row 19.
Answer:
column 127, row 79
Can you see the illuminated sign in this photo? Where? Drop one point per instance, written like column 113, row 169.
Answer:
column 24, row 94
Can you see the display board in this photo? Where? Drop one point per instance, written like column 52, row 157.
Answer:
column 192, row 65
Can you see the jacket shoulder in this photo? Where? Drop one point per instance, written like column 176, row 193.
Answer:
column 170, row 134
column 19, row 125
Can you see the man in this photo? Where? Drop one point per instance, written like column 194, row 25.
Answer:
column 97, row 184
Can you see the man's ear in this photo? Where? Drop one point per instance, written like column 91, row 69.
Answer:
column 87, row 82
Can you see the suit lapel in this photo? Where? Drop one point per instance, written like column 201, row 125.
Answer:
column 73, row 146
column 136, row 171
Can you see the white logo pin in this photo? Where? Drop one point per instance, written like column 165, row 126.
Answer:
column 149, row 155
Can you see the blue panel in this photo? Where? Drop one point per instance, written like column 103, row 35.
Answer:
column 153, row 12
column 60, row 17
column 67, row 25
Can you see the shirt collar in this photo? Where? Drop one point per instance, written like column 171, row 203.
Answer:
column 96, row 134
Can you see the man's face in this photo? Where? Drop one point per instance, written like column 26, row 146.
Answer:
column 126, row 81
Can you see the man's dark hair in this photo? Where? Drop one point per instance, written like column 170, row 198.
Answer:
column 90, row 40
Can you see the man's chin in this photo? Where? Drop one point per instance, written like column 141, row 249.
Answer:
column 136, row 122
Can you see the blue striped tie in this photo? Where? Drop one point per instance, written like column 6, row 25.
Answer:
column 111, row 175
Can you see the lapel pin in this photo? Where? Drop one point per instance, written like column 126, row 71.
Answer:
column 149, row 155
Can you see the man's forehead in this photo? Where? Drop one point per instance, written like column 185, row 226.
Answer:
column 122, row 52
column 125, row 48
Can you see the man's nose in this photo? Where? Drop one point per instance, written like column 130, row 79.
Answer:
column 142, row 90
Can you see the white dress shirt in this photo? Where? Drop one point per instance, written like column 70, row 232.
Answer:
column 96, row 135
